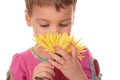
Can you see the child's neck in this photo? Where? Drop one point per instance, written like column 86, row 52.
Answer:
column 40, row 53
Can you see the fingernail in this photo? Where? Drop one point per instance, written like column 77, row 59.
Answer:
column 38, row 78
column 49, row 52
column 56, row 47
column 54, row 60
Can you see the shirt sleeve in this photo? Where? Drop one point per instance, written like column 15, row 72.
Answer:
column 90, row 66
column 17, row 68
column 95, row 69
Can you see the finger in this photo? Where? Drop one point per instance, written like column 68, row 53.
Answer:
column 57, row 58
column 45, row 67
column 45, row 64
column 38, row 78
column 57, row 65
column 74, row 51
column 65, row 55
column 43, row 76
column 46, row 79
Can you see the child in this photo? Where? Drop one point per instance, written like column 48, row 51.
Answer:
column 56, row 16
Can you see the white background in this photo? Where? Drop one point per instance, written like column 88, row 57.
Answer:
column 97, row 21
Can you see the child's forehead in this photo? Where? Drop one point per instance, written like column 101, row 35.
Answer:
column 57, row 9
column 51, row 11
column 53, row 7
column 50, row 14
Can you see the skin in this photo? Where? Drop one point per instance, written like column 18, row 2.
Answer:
column 47, row 19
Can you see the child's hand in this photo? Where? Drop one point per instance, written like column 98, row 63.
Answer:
column 68, row 64
column 44, row 70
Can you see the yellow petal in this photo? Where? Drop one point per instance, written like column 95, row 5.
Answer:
column 49, row 40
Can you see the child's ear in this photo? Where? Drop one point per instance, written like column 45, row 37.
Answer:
column 27, row 18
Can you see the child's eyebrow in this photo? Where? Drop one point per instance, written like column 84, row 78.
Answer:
column 67, row 19
column 41, row 19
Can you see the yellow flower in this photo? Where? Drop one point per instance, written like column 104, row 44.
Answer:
column 50, row 40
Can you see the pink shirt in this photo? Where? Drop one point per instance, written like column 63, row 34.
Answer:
column 23, row 64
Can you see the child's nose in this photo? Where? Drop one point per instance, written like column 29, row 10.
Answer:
column 55, row 29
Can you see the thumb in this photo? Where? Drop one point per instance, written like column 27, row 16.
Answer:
column 74, row 51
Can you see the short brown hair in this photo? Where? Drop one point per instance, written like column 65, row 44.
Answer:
column 45, row 3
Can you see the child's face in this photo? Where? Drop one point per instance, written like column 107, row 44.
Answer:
column 47, row 19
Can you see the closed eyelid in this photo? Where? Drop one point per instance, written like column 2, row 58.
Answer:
column 42, row 21
column 68, row 21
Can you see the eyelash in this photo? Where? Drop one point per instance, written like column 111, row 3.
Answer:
column 44, row 25
column 61, row 25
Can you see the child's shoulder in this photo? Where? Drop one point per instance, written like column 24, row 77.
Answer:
column 21, row 55
column 25, row 57
column 90, row 65
column 22, row 62
column 20, row 58
column 17, row 65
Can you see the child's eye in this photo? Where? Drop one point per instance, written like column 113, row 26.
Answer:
column 63, row 25
column 46, row 25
